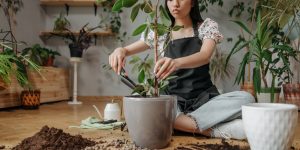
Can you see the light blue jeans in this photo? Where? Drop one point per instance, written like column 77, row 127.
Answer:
column 222, row 108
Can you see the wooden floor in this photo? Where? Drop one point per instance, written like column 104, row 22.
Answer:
column 17, row 124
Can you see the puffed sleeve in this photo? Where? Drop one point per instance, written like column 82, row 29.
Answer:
column 149, row 40
column 209, row 30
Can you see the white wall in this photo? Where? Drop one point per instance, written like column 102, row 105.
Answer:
column 93, row 80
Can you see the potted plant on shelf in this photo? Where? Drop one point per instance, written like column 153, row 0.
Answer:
column 48, row 56
column 267, row 52
column 77, row 43
column 40, row 55
column 149, row 113
column 61, row 23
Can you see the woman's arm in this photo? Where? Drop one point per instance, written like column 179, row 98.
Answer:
column 136, row 47
column 165, row 66
column 117, row 58
column 198, row 59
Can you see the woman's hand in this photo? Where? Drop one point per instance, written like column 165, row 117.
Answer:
column 164, row 67
column 117, row 59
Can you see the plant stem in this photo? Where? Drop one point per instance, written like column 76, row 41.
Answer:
column 155, row 48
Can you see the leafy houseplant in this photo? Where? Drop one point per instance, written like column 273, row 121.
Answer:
column 218, row 70
column 77, row 43
column 61, row 23
column 149, row 113
column 40, row 55
column 16, row 65
column 263, row 45
column 111, row 20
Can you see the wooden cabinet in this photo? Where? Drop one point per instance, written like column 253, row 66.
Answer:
column 54, row 86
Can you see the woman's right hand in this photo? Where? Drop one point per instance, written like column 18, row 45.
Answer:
column 117, row 59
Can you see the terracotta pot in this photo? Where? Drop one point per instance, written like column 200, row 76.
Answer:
column 292, row 93
column 49, row 62
column 248, row 87
column 30, row 99
column 150, row 120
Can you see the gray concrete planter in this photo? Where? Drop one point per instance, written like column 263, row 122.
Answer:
column 150, row 120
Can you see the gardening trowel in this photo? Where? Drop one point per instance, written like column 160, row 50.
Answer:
column 126, row 80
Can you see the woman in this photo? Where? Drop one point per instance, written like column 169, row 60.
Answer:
column 200, row 107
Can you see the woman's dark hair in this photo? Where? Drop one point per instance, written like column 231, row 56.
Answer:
column 194, row 13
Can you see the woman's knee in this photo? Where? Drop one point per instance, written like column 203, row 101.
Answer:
column 249, row 98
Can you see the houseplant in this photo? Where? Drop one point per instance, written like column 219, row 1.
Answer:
column 77, row 43
column 40, row 55
column 149, row 113
column 263, row 45
column 217, row 69
column 61, row 23
column 16, row 65
column 111, row 20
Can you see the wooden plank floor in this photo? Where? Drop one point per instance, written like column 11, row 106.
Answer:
column 17, row 124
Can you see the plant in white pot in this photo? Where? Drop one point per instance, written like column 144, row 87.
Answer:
column 149, row 116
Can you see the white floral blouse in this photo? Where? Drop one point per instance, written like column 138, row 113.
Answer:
column 207, row 30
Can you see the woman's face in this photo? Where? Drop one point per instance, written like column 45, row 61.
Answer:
column 179, row 8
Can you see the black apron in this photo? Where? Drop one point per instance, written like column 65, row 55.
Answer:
column 193, row 87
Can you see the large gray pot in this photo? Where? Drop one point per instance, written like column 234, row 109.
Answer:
column 150, row 120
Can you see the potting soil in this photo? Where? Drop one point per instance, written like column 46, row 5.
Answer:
column 54, row 139
column 223, row 146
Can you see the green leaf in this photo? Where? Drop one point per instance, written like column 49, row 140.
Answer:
column 161, row 29
column 134, row 12
column 152, row 15
column 177, row 27
column 128, row 3
column 139, row 29
column 117, row 6
column 134, row 59
column 165, row 19
column 150, row 82
column 141, row 76
column 146, row 33
column 256, row 79
column 147, row 7
column 267, row 55
column 242, row 25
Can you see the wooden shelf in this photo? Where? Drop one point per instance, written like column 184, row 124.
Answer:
column 68, row 2
column 51, row 33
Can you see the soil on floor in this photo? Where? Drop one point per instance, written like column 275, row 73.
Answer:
column 54, row 139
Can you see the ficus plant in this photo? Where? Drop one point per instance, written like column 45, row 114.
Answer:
column 157, row 20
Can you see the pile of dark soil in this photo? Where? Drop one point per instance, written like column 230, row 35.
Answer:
column 223, row 146
column 54, row 139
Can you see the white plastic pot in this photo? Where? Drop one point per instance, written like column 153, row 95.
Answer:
column 112, row 111
column 270, row 126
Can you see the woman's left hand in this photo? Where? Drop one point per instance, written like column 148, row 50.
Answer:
column 164, row 67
